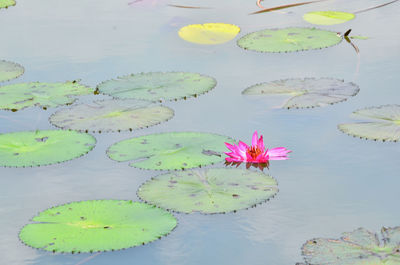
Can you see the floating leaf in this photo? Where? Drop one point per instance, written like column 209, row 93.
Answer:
column 18, row 96
column 289, row 40
column 158, row 86
column 385, row 125
column 216, row 190
column 38, row 148
column 111, row 115
column 7, row 3
column 328, row 17
column 10, row 70
column 170, row 151
column 359, row 37
column 209, row 33
column 98, row 225
column 359, row 247
column 308, row 92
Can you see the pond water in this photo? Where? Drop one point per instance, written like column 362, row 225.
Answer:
column 331, row 184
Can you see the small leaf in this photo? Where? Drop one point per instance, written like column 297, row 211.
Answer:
column 289, row 40
column 170, row 151
column 158, row 86
column 209, row 33
column 328, row 17
column 10, row 70
column 112, row 115
column 216, row 190
column 359, row 37
column 38, row 148
column 359, row 247
column 385, row 123
column 306, row 93
column 46, row 95
column 98, row 225
column 7, row 3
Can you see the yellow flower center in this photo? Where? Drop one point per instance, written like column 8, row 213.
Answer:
column 254, row 151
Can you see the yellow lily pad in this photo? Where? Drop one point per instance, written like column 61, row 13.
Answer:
column 209, row 33
column 328, row 17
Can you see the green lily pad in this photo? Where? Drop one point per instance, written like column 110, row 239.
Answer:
column 98, row 225
column 158, row 86
column 385, row 123
column 216, row 190
column 38, row 148
column 7, row 3
column 111, row 115
column 170, row 151
column 328, row 17
column 359, row 247
column 359, row 37
column 10, row 70
column 18, row 96
column 308, row 92
column 289, row 40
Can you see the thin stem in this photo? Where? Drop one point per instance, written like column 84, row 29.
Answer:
column 374, row 7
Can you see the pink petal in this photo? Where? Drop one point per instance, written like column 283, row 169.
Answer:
column 254, row 141
column 249, row 158
column 229, row 146
column 278, row 153
column 261, row 158
column 234, row 155
column 243, row 146
column 260, row 144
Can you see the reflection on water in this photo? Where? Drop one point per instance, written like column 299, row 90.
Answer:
column 248, row 165
column 332, row 183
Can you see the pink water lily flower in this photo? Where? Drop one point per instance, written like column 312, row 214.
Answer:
column 256, row 153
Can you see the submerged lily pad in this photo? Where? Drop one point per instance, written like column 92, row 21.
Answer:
column 98, row 225
column 111, row 115
column 158, row 86
column 328, row 17
column 308, row 92
column 289, row 40
column 10, row 70
column 384, row 123
column 18, row 96
column 216, row 190
column 170, row 151
column 7, row 3
column 359, row 247
column 209, row 33
column 38, row 148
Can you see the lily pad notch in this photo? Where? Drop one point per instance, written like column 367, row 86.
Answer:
column 111, row 116
column 215, row 190
column 158, row 86
column 289, row 40
column 170, row 151
column 40, row 148
column 382, row 123
column 97, row 225
column 307, row 92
